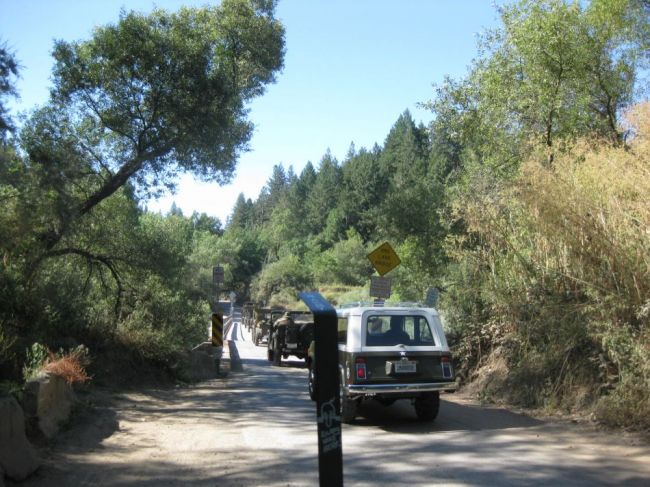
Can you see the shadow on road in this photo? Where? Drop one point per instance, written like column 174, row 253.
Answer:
column 257, row 427
column 453, row 416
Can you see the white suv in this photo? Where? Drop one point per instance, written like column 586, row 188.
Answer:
column 390, row 353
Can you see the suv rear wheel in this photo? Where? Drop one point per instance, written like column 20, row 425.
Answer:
column 348, row 407
column 427, row 406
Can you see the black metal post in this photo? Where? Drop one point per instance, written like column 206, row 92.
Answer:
column 328, row 410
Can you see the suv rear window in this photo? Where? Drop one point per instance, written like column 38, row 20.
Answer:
column 388, row 330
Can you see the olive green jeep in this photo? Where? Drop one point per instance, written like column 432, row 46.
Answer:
column 291, row 334
column 263, row 319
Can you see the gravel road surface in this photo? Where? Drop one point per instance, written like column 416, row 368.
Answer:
column 257, row 428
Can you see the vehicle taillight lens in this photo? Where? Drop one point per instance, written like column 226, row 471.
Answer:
column 447, row 371
column 361, row 368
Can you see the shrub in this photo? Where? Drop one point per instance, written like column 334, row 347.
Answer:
column 35, row 358
column 553, row 272
column 71, row 366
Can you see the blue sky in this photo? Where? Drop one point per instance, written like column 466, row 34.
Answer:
column 351, row 68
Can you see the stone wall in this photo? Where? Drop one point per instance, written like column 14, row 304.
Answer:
column 18, row 458
column 48, row 400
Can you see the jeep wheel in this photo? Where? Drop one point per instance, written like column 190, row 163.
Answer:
column 348, row 408
column 427, row 406
column 277, row 355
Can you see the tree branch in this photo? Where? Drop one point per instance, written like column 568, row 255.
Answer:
column 90, row 258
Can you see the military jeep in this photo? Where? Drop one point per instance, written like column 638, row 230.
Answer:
column 291, row 334
column 390, row 353
column 263, row 319
column 247, row 315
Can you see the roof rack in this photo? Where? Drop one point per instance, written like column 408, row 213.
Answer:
column 358, row 304
column 381, row 303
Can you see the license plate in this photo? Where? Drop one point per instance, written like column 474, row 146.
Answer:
column 405, row 367
column 292, row 345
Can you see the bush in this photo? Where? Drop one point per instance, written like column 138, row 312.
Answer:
column 286, row 276
column 35, row 358
column 71, row 366
column 553, row 272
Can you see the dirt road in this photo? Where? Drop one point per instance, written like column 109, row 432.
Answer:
column 257, row 428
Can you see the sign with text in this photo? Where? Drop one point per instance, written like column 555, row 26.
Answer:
column 432, row 297
column 384, row 259
column 380, row 287
column 217, row 275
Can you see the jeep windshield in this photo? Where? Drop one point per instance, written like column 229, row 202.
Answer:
column 390, row 330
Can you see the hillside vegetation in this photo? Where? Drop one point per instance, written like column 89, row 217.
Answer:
column 524, row 202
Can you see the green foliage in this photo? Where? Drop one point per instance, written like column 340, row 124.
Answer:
column 139, row 101
column 552, row 275
column 8, row 70
column 345, row 263
column 35, row 358
column 288, row 276
column 191, row 73
column 323, row 194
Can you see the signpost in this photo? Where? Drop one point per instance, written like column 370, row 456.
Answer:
column 328, row 401
column 216, row 337
column 380, row 287
column 384, row 259
column 432, row 297
column 217, row 275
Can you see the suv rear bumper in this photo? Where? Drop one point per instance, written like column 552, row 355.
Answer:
column 363, row 389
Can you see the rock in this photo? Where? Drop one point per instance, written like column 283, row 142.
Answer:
column 17, row 456
column 49, row 398
column 202, row 362
column 202, row 365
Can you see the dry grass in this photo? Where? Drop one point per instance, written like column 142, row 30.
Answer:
column 564, row 260
column 71, row 367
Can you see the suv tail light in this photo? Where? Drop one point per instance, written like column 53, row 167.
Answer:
column 360, row 367
column 445, row 363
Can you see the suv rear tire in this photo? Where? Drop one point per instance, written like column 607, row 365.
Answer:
column 427, row 406
column 348, row 407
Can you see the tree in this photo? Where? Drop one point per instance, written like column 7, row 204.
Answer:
column 364, row 188
column 323, row 194
column 8, row 69
column 553, row 72
column 242, row 213
column 271, row 194
column 153, row 95
column 407, row 202
column 175, row 210
column 345, row 263
column 205, row 223
column 285, row 276
column 296, row 199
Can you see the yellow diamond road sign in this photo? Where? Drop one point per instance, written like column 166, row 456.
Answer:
column 384, row 259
